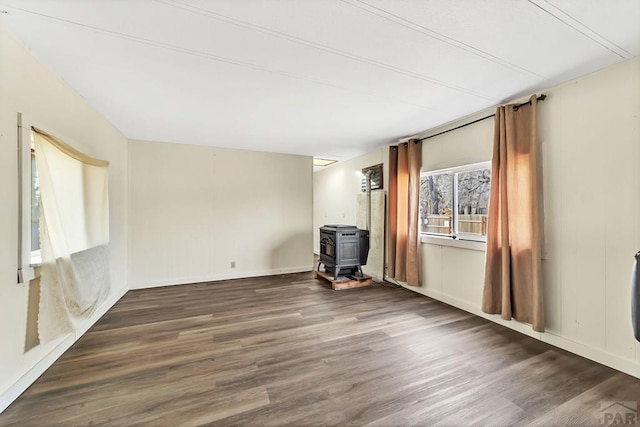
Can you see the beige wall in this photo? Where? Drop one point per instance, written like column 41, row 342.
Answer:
column 590, row 140
column 335, row 192
column 194, row 210
column 589, row 130
column 335, row 199
column 442, row 275
column 27, row 86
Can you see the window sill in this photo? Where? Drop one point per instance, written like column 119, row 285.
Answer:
column 448, row 241
column 30, row 273
column 26, row 275
column 35, row 262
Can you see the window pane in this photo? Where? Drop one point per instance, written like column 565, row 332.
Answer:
column 376, row 177
column 473, row 201
column 436, row 203
column 35, row 206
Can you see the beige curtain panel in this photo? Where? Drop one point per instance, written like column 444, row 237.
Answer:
column 393, row 211
column 405, row 161
column 74, row 235
column 513, row 280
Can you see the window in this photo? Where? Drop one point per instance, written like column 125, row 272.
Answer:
column 35, row 211
column 454, row 202
column 26, row 207
column 375, row 173
column 436, row 203
column 29, row 204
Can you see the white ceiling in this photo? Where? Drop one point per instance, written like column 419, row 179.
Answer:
column 327, row 78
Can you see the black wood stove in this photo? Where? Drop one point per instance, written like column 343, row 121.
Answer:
column 343, row 249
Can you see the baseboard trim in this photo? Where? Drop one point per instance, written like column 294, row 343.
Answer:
column 603, row 357
column 217, row 277
column 19, row 387
column 58, row 349
column 110, row 302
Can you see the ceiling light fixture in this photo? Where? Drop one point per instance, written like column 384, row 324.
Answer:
column 323, row 162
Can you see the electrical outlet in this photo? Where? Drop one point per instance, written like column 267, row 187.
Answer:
column 233, row 264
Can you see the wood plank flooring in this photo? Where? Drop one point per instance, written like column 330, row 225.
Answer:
column 287, row 350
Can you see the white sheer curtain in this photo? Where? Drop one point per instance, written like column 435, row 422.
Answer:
column 74, row 235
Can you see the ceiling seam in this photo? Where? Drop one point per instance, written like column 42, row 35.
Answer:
column 587, row 32
column 247, row 25
column 218, row 58
column 403, row 22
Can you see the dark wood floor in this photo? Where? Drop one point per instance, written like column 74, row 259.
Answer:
column 287, row 350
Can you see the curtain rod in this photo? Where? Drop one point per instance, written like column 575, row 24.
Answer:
column 542, row 97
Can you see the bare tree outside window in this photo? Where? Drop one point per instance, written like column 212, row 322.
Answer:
column 436, row 203
column 473, row 201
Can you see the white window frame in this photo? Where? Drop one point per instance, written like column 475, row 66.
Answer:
column 26, row 271
column 28, row 260
column 461, row 238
